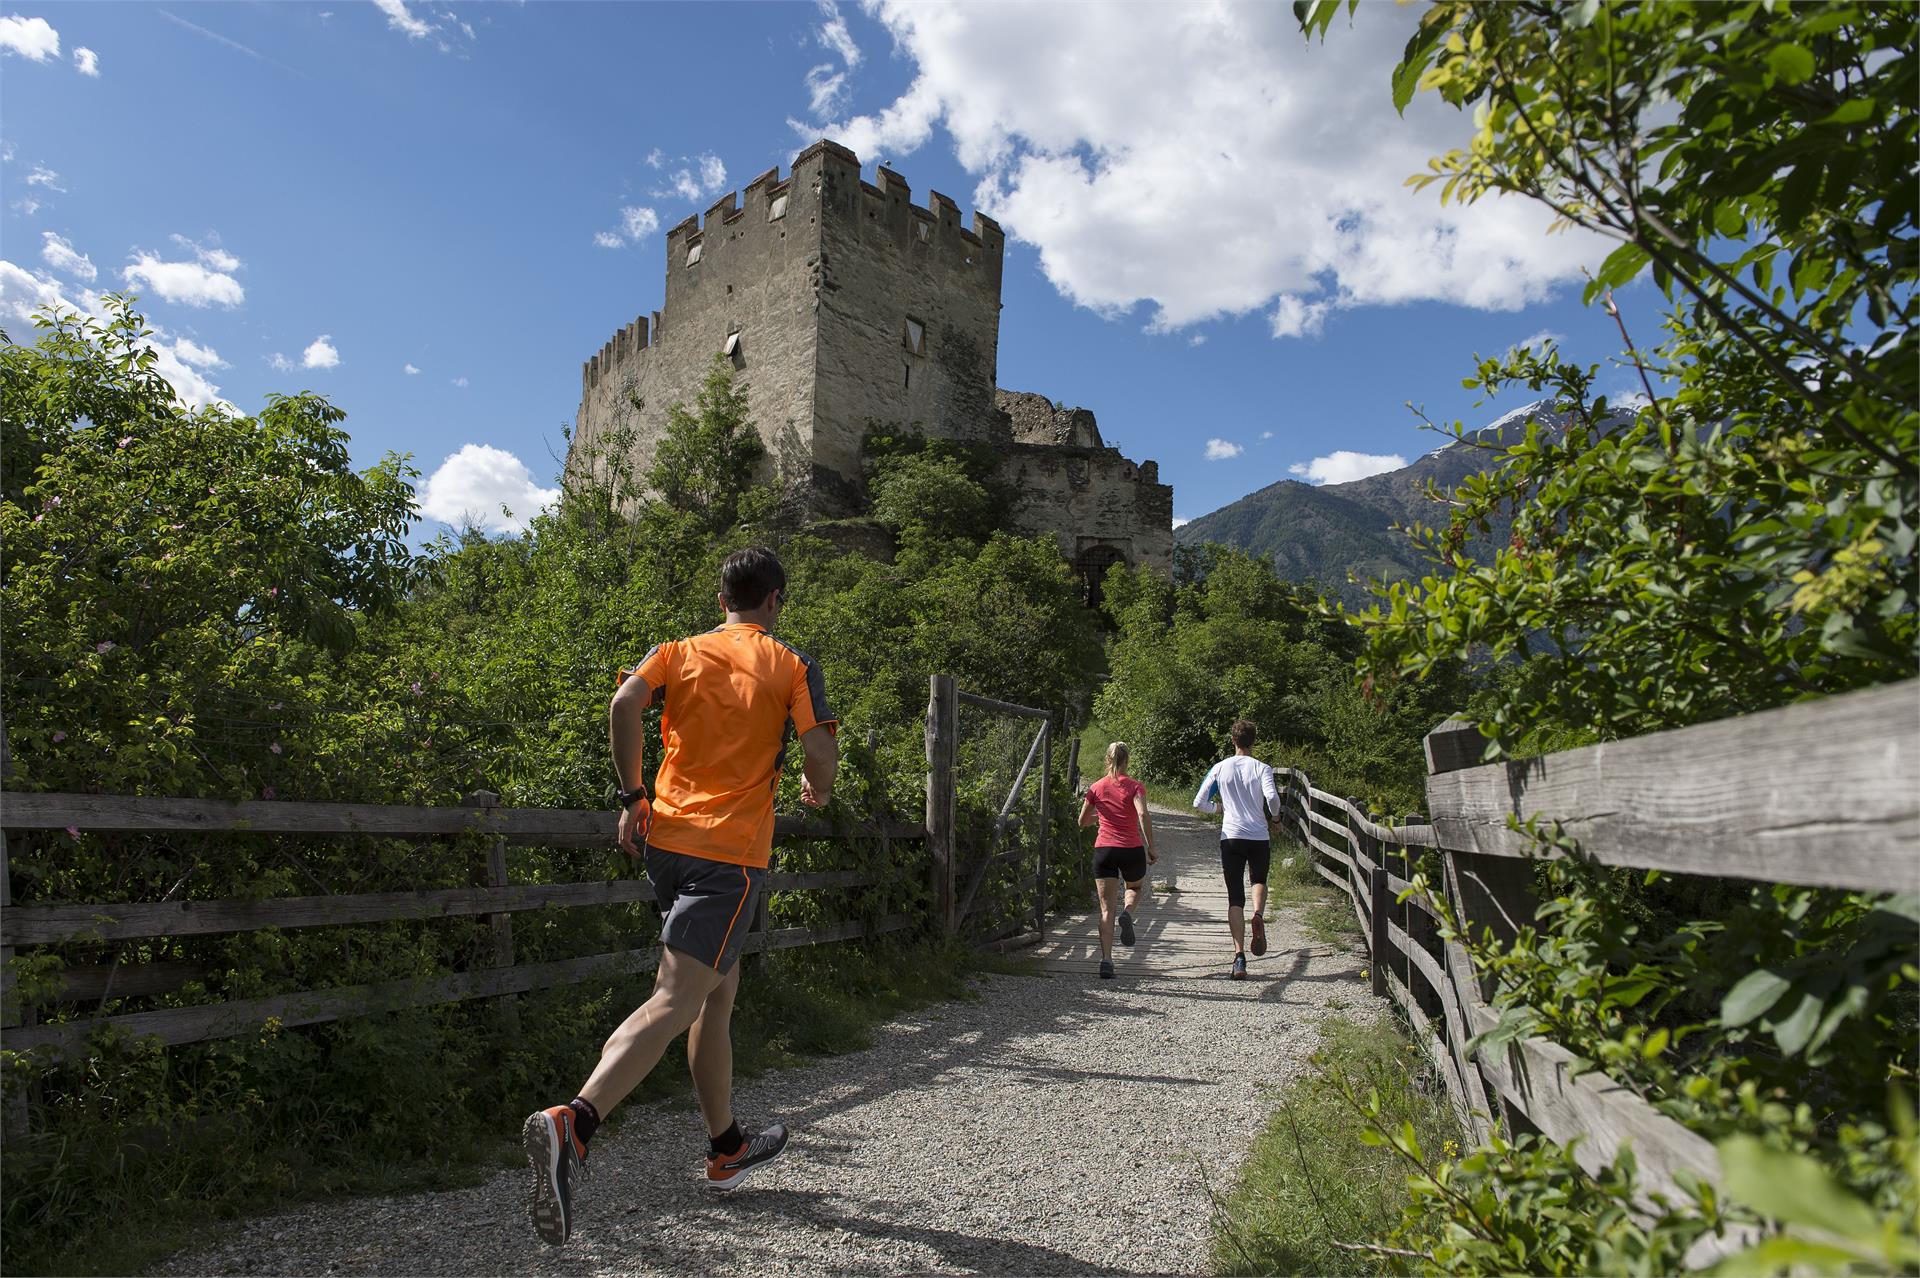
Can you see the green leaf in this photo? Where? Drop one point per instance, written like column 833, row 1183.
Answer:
column 1794, row 1032
column 1752, row 996
column 1793, row 1189
column 1790, row 63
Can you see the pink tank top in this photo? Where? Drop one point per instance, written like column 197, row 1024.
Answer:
column 1112, row 798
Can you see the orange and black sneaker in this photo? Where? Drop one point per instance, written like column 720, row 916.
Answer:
column 559, row 1160
column 725, row 1172
column 1259, row 936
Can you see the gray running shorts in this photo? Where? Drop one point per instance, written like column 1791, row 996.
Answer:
column 708, row 905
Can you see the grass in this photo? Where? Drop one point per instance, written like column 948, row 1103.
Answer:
column 1309, row 1183
column 164, row 1186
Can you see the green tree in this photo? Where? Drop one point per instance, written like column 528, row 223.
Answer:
column 1742, row 536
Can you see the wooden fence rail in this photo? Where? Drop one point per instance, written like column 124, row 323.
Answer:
column 25, row 925
column 1821, row 794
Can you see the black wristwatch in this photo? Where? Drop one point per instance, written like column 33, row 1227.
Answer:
column 626, row 797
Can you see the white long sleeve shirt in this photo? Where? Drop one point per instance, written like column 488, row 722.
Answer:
column 1243, row 786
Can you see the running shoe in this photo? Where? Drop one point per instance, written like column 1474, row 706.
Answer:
column 1259, row 936
column 725, row 1173
column 1239, row 972
column 1126, row 927
column 1106, row 969
column 559, row 1160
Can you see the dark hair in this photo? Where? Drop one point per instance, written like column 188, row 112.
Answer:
column 1243, row 733
column 749, row 576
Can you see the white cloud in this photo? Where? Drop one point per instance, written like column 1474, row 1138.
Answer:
column 206, row 282
column 22, row 293
column 1207, row 159
column 410, row 371
column 27, row 207
column 320, row 353
column 399, row 19
column 60, row 254
column 474, row 484
column 696, row 179
column 44, row 176
column 1198, row 339
column 1295, row 318
column 1221, row 450
column 1180, row 523
column 461, row 382
column 655, row 158
column 191, row 352
column 1266, row 434
column 642, row 222
column 1343, row 467
column 833, row 35
column 826, row 89
column 211, row 255
column 607, row 239
column 279, row 363
column 30, row 38
column 440, row 27
column 86, row 62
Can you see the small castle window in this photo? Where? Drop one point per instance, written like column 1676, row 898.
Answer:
column 732, row 343
column 778, row 209
column 693, row 253
column 914, row 338
column 922, row 231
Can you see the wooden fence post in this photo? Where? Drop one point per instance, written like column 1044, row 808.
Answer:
column 500, row 925
column 1046, row 825
column 943, row 723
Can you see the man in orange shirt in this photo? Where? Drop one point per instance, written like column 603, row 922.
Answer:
column 732, row 697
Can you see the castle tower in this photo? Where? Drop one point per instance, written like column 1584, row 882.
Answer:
column 844, row 307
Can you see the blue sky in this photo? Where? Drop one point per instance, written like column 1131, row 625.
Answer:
column 432, row 213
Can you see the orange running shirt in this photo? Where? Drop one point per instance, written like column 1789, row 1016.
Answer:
column 732, row 697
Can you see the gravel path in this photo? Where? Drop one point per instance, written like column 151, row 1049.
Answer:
column 1058, row 1124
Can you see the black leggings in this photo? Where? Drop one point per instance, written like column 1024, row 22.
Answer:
column 1248, row 857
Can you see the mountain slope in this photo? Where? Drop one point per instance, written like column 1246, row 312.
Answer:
column 1321, row 534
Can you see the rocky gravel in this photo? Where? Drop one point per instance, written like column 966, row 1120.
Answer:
column 1054, row 1124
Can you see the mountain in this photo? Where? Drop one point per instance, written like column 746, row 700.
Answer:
column 1319, row 534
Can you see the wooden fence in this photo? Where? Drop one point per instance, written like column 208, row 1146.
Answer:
column 499, row 900
column 1822, row 794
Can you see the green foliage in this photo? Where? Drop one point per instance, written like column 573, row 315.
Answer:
column 927, row 495
column 1743, row 537
column 704, row 462
column 1235, row 641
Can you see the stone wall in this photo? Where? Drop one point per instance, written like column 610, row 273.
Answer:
column 909, row 315
column 1091, row 497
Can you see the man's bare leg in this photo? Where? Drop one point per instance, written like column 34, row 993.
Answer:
column 680, row 990
column 710, row 1054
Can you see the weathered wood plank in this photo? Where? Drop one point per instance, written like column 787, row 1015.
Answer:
column 1822, row 793
column 516, row 825
column 1338, row 880
column 1327, row 823
column 1437, row 1053
column 942, row 736
column 48, row 924
column 90, row 982
column 247, row 1016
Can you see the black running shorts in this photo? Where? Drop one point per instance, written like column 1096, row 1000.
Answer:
column 1244, row 857
column 1120, row 863
column 708, row 905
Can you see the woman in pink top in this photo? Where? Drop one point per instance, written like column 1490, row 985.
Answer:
column 1122, row 850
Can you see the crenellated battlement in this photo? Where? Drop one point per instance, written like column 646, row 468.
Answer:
column 826, row 178
column 626, row 344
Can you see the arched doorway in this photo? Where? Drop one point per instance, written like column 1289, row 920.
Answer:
column 1092, row 564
